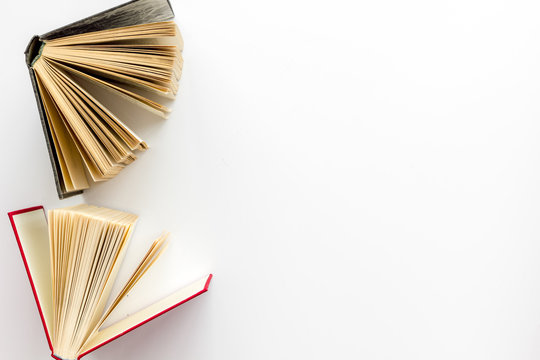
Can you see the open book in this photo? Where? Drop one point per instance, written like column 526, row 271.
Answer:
column 131, row 52
column 72, row 264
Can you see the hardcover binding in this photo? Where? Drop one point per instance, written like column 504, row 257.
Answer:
column 32, row 50
column 11, row 215
column 205, row 289
column 131, row 13
column 41, row 316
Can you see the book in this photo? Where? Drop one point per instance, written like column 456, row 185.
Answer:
column 72, row 263
column 132, row 52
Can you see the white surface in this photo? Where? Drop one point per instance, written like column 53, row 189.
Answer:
column 361, row 177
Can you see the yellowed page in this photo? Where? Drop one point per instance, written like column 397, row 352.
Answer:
column 67, row 150
column 134, row 98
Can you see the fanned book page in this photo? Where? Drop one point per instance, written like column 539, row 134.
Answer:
column 88, row 244
column 87, row 136
column 72, row 264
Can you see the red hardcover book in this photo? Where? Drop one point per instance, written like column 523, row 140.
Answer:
column 31, row 231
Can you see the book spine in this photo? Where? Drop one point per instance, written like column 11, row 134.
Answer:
column 31, row 53
column 49, row 141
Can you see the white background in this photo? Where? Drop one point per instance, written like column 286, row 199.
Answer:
column 362, row 177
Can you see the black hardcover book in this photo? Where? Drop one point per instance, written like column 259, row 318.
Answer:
column 131, row 50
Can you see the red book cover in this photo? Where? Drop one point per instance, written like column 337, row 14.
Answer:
column 30, row 229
